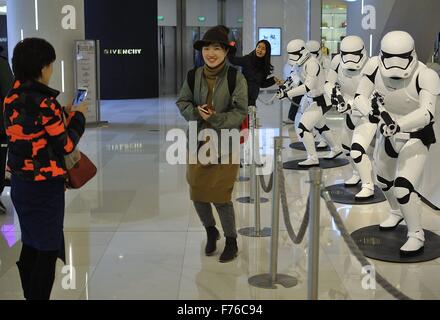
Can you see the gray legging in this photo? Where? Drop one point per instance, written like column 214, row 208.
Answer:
column 225, row 212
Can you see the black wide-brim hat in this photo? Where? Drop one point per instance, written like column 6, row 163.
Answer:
column 216, row 34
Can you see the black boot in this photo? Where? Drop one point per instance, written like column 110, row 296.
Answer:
column 43, row 275
column 211, row 243
column 25, row 264
column 25, row 277
column 230, row 251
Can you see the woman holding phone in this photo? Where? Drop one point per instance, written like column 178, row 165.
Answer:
column 38, row 141
column 206, row 99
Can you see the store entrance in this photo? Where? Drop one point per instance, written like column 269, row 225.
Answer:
column 167, row 60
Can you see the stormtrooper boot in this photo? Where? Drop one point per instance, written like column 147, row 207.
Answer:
column 393, row 221
column 367, row 192
column 416, row 237
column 336, row 148
column 365, row 170
column 414, row 245
column 312, row 155
column 310, row 162
column 354, row 180
column 322, row 144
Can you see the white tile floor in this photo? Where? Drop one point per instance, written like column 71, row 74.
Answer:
column 132, row 233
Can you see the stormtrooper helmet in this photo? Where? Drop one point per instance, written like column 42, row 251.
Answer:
column 398, row 57
column 353, row 53
column 314, row 47
column 298, row 54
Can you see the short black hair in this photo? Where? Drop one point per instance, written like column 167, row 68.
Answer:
column 30, row 56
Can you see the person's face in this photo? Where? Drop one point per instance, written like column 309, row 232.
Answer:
column 46, row 74
column 214, row 55
column 261, row 50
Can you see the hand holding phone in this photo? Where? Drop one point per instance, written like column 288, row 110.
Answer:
column 205, row 110
column 80, row 96
column 83, row 108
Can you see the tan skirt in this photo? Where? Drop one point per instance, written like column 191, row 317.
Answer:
column 212, row 183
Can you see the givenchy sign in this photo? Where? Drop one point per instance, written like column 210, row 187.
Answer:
column 121, row 52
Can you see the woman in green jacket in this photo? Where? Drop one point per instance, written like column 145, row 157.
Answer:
column 209, row 103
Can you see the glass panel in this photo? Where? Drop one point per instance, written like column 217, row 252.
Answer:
column 334, row 25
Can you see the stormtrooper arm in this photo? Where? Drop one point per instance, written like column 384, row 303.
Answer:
column 332, row 79
column 311, row 82
column 421, row 117
column 362, row 101
column 291, row 82
column 298, row 91
column 295, row 81
column 429, row 83
column 332, row 76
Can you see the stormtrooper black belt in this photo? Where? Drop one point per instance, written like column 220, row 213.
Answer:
column 426, row 135
column 322, row 103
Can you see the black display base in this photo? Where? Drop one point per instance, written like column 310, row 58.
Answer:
column 252, row 232
column 323, row 163
column 248, row 200
column 340, row 193
column 300, row 146
column 385, row 245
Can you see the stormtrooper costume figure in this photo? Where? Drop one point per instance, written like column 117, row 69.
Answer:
column 315, row 49
column 313, row 104
column 293, row 81
column 408, row 94
column 343, row 80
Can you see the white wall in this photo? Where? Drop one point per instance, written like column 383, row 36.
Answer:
column 21, row 15
column 234, row 12
column 315, row 20
column 167, row 9
column 295, row 17
column 206, row 8
column 419, row 20
column 354, row 21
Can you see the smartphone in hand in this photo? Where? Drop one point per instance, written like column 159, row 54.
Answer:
column 205, row 110
column 80, row 96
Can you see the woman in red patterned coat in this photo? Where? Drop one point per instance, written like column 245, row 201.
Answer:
column 38, row 140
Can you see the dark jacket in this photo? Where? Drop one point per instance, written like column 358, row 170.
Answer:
column 255, row 75
column 38, row 138
column 6, row 79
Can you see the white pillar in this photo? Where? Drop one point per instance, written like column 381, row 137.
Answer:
column 60, row 22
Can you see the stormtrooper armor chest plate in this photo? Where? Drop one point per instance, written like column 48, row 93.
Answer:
column 295, row 74
column 318, row 89
column 400, row 96
column 349, row 82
